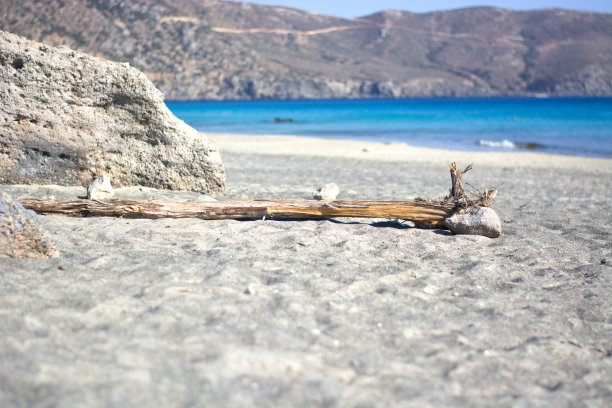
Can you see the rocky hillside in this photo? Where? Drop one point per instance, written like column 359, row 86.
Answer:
column 208, row 49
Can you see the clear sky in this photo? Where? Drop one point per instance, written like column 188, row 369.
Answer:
column 357, row 8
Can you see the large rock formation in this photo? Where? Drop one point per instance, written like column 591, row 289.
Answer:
column 209, row 49
column 67, row 117
column 21, row 233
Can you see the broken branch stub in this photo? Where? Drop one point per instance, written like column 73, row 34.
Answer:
column 457, row 192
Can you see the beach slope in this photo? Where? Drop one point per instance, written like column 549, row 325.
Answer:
column 354, row 312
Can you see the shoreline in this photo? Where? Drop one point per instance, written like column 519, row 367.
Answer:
column 392, row 151
column 565, row 126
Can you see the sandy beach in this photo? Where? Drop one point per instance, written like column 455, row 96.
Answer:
column 329, row 313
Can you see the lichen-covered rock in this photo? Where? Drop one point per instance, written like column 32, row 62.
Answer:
column 66, row 117
column 476, row 221
column 21, row 233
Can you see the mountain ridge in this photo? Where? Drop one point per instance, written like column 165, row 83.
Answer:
column 208, row 49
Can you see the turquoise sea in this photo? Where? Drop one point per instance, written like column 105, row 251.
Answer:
column 573, row 126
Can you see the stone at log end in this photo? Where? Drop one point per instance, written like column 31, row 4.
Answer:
column 67, row 117
column 475, row 221
column 22, row 235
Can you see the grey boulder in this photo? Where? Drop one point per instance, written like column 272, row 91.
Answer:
column 476, row 221
column 22, row 235
column 67, row 117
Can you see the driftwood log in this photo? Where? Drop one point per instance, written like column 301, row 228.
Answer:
column 420, row 211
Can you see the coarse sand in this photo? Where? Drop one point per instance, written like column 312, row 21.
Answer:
column 328, row 313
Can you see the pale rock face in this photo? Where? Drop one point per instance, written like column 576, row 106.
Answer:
column 327, row 192
column 66, row 117
column 22, row 235
column 476, row 221
column 100, row 189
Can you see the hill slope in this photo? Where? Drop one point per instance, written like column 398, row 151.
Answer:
column 208, row 49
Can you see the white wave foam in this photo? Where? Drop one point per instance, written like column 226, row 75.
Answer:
column 505, row 144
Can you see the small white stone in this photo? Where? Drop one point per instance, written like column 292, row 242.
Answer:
column 476, row 221
column 250, row 289
column 327, row 192
column 100, row 189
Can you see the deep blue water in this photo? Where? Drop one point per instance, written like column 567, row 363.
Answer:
column 575, row 126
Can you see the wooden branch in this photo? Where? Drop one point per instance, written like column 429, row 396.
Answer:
column 424, row 212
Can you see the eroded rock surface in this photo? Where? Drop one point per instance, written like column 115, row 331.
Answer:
column 66, row 117
column 21, row 233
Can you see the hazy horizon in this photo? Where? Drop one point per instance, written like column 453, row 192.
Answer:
column 358, row 8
